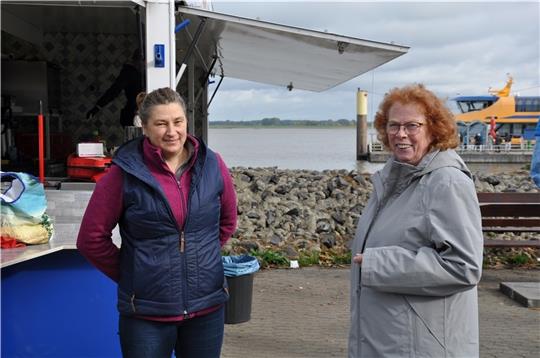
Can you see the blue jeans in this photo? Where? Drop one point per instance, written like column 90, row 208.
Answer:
column 199, row 337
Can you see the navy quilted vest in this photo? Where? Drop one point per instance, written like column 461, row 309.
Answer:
column 156, row 277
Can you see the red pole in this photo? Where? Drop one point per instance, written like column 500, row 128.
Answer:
column 41, row 145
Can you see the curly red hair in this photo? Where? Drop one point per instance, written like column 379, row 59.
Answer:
column 440, row 120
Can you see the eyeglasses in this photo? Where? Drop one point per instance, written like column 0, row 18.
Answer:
column 411, row 128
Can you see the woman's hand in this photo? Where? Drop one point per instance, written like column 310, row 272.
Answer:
column 358, row 259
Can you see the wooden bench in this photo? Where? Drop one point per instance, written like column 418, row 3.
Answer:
column 510, row 212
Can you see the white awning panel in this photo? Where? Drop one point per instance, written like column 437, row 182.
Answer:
column 282, row 55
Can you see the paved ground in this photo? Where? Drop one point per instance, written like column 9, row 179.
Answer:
column 305, row 313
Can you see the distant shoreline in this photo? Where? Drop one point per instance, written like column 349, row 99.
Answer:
column 235, row 126
column 275, row 122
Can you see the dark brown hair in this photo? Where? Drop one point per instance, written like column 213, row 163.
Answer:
column 139, row 99
column 440, row 120
column 155, row 98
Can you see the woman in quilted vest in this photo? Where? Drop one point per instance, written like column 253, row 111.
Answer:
column 174, row 202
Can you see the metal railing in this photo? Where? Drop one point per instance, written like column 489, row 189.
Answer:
column 376, row 147
column 523, row 148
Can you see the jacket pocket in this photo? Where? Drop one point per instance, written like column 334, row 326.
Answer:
column 385, row 324
column 428, row 320
column 151, row 273
column 209, row 265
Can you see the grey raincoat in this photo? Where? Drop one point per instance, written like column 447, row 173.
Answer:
column 415, row 293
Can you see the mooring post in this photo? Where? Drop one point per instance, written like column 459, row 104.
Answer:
column 361, row 125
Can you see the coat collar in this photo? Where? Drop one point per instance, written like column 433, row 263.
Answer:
column 138, row 156
column 396, row 176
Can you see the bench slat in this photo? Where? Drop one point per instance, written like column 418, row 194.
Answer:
column 509, row 197
column 511, row 229
column 515, row 210
column 512, row 243
column 510, row 212
column 510, row 222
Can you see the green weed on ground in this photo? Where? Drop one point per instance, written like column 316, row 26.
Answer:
column 269, row 258
column 519, row 259
column 308, row 258
column 511, row 258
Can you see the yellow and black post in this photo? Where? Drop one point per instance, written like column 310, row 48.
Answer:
column 361, row 125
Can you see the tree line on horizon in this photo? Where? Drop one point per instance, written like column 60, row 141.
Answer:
column 276, row 122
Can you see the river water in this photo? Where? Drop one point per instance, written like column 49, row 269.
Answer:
column 301, row 148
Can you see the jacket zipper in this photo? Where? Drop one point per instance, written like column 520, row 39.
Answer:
column 182, row 242
column 378, row 209
column 370, row 226
column 182, row 245
column 133, row 303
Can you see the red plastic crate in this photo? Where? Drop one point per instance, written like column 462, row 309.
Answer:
column 87, row 168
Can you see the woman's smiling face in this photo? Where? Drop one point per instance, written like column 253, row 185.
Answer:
column 167, row 128
column 412, row 140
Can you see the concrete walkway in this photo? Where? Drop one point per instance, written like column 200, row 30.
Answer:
column 305, row 313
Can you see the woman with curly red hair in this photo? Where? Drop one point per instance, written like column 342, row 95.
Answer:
column 418, row 246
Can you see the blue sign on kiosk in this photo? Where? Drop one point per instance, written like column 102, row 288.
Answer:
column 159, row 55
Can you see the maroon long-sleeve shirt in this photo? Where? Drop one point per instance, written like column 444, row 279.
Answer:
column 105, row 208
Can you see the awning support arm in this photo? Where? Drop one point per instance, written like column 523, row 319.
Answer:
column 190, row 37
column 190, row 50
column 205, row 79
column 213, row 94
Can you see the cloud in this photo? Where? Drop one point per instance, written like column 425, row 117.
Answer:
column 457, row 47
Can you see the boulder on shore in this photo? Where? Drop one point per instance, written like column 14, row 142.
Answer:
column 291, row 211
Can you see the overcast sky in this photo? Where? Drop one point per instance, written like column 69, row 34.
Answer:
column 455, row 48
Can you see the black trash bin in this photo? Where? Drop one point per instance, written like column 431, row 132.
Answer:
column 239, row 271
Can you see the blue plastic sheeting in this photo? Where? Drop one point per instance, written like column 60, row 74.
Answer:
column 535, row 161
column 58, row 306
column 239, row 265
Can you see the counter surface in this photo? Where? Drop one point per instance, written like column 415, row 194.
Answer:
column 66, row 208
column 61, row 240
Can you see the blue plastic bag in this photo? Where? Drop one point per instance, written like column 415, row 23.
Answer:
column 535, row 162
column 239, row 265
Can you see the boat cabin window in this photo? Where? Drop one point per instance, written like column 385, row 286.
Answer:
column 517, row 129
column 472, row 106
column 527, row 104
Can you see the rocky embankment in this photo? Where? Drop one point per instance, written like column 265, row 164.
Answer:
column 295, row 212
